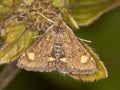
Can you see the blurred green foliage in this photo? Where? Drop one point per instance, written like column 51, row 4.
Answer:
column 87, row 11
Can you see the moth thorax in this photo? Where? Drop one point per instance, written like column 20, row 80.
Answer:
column 57, row 50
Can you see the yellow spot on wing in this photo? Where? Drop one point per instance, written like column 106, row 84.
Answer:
column 84, row 58
column 51, row 59
column 63, row 59
column 31, row 56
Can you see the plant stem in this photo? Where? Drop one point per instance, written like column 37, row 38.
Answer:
column 7, row 74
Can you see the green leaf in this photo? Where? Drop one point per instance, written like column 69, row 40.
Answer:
column 16, row 3
column 69, row 19
column 87, row 11
column 101, row 70
column 5, row 9
column 2, row 38
column 59, row 3
column 18, row 39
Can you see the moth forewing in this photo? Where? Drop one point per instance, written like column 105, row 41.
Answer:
column 41, row 54
column 101, row 72
column 77, row 60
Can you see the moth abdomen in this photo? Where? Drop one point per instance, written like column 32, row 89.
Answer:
column 57, row 51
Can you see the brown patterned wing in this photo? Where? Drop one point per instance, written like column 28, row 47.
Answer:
column 38, row 56
column 77, row 59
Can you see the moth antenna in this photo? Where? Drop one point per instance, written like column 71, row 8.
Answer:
column 46, row 18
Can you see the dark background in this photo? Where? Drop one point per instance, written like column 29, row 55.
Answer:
column 105, row 36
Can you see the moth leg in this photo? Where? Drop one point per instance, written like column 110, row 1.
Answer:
column 84, row 40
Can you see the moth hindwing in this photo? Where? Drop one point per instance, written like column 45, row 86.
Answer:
column 58, row 49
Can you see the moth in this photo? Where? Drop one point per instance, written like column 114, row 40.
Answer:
column 58, row 49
